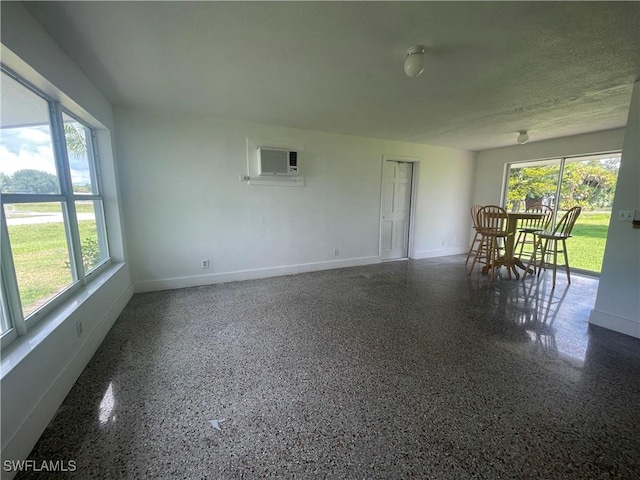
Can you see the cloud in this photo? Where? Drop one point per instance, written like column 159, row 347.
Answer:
column 27, row 139
column 22, row 148
column 31, row 148
column 38, row 158
column 37, row 135
column 80, row 177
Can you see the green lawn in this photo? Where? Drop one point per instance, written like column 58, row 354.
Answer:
column 25, row 209
column 586, row 247
column 40, row 256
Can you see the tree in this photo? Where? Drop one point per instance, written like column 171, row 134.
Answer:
column 75, row 135
column 30, row 181
column 5, row 181
column 590, row 184
column 75, row 139
column 41, row 182
column 532, row 185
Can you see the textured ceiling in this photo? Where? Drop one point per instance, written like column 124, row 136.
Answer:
column 493, row 68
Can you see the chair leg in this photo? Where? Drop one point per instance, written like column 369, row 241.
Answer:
column 541, row 261
column 492, row 250
column 566, row 260
column 543, row 255
column 485, row 253
column 555, row 262
column 495, row 254
column 532, row 259
column 473, row 243
column 509, row 267
column 478, row 253
column 522, row 238
column 537, row 248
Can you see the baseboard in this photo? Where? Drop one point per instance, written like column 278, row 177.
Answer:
column 615, row 323
column 215, row 278
column 441, row 252
column 332, row 264
column 21, row 444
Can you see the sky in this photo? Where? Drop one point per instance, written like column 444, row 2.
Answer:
column 31, row 148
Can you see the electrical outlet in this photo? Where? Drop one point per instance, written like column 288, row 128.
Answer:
column 336, row 252
column 626, row 215
column 205, row 263
column 79, row 328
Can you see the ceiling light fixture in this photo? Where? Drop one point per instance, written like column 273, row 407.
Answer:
column 414, row 63
column 523, row 137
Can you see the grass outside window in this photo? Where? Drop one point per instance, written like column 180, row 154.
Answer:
column 586, row 247
column 40, row 251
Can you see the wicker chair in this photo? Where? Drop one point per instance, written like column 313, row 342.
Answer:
column 550, row 243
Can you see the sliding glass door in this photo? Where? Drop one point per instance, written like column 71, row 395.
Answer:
column 562, row 183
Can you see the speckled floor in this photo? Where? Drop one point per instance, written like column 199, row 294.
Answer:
column 404, row 369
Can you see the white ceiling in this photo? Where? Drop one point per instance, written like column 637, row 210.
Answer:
column 493, row 68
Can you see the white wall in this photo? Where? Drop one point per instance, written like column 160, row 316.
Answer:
column 184, row 201
column 618, row 302
column 39, row 369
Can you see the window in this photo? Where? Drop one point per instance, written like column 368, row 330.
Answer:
column 588, row 181
column 5, row 326
column 53, row 227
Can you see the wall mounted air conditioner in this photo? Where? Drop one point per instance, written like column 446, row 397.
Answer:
column 276, row 162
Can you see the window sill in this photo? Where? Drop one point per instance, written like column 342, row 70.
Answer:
column 21, row 347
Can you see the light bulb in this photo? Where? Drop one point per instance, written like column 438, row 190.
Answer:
column 523, row 137
column 414, row 63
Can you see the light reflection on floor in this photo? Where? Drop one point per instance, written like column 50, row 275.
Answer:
column 553, row 320
column 107, row 406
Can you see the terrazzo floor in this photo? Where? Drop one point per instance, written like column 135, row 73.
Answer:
column 397, row 370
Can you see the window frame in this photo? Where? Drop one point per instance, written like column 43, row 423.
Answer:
column 562, row 161
column 10, row 302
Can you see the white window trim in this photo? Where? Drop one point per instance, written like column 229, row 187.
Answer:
column 10, row 298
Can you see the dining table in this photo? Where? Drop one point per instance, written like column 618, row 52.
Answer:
column 509, row 259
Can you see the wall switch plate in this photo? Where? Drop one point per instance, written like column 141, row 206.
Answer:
column 626, row 215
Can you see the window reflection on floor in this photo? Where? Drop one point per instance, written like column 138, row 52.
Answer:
column 107, row 407
column 544, row 321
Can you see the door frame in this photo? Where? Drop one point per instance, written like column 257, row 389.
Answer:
column 413, row 199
